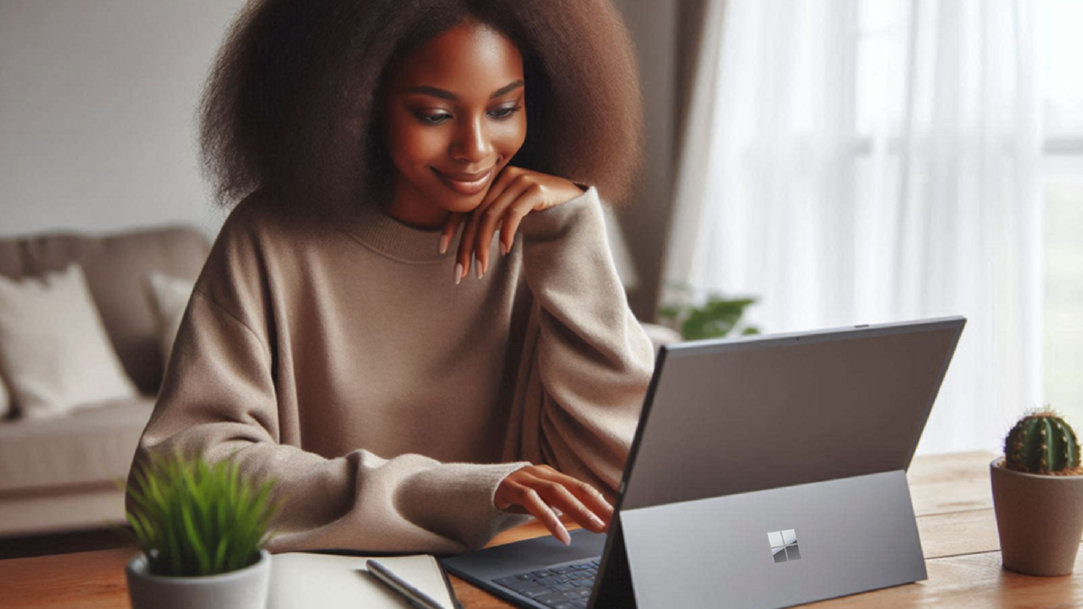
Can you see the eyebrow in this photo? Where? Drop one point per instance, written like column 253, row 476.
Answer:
column 442, row 94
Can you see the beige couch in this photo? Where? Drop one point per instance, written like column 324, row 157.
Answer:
column 64, row 473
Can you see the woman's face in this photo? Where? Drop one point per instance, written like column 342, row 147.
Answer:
column 454, row 116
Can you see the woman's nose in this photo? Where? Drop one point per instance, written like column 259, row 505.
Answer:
column 471, row 142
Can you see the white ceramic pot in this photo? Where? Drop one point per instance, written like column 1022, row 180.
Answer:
column 1039, row 519
column 242, row 589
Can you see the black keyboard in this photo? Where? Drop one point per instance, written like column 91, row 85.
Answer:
column 564, row 586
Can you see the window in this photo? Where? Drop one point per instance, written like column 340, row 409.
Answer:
column 880, row 37
column 892, row 152
column 1061, row 97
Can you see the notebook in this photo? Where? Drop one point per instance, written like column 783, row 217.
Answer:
column 301, row 580
column 766, row 472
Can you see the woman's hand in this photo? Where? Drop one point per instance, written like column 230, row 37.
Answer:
column 515, row 193
column 543, row 491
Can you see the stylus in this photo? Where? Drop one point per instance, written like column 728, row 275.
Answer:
column 416, row 597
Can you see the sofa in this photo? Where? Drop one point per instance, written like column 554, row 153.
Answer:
column 65, row 471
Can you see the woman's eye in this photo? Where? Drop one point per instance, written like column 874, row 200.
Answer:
column 432, row 118
column 504, row 112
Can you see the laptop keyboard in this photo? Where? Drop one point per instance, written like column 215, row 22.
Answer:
column 562, row 587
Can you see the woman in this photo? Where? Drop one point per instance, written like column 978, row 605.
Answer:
column 405, row 396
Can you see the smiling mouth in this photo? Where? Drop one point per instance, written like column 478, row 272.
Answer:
column 466, row 183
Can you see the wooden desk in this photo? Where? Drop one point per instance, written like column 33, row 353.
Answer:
column 951, row 498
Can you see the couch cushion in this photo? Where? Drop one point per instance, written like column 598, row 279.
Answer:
column 53, row 349
column 117, row 267
column 170, row 298
column 86, row 446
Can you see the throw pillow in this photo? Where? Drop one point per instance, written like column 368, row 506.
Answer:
column 54, row 351
column 169, row 297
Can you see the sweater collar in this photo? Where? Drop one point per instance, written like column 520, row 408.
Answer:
column 393, row 239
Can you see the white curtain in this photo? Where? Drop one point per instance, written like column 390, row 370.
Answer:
column 855, row 161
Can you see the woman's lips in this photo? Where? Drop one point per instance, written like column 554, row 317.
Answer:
column 466, row 184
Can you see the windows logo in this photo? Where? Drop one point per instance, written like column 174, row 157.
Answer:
column 784, row 545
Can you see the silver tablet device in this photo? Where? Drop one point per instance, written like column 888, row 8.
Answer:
column 766, row 471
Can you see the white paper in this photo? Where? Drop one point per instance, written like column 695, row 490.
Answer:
column 301, row 580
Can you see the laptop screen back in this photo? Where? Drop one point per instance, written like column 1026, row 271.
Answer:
column 744, row 415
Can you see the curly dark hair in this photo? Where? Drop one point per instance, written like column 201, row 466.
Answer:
column 292, row 104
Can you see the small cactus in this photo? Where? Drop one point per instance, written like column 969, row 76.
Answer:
column 1042, row 443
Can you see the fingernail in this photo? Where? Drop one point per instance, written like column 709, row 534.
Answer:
column 565, row 538
column 503, row 248
column 444, row 241
column 458, row 273
column 597, row 521
column 480, row 269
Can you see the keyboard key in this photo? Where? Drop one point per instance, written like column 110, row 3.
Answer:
column 561, row 587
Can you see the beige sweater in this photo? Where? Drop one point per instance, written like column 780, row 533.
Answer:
column 389, row 402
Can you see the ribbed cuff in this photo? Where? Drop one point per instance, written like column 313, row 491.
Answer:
column 457, row 500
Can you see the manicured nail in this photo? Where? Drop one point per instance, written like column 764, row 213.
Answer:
column 564, row 537
column 458, row 273
column 503, row 248
column 480, row 271
column 445, row 240
column 597, row 521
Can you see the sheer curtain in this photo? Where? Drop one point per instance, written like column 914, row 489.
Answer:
column 854, row 161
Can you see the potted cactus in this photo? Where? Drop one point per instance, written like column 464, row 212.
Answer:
column 1038, row 496
column 201, row 528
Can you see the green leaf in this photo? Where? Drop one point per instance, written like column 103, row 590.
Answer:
column 194, row 540
column 717, row 317
column 671, row 312
column 220, row 555
column 191, row 517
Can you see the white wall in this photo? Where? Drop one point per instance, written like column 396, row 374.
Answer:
column 98, row 124
column 98, row 112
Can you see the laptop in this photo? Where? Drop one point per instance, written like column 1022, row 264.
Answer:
column 766, row 471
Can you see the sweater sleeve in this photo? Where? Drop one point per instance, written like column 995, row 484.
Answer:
column 219, row 400
column 586, row 360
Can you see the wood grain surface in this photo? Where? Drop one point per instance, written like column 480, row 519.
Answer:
column 951, row 498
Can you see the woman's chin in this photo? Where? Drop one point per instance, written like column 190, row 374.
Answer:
column 465, row 205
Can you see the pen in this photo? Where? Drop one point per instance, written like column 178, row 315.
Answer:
column 416, row 597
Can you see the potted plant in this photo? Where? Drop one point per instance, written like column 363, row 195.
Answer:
column 716, row 317
column 1038, row 496
column 201, row 529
